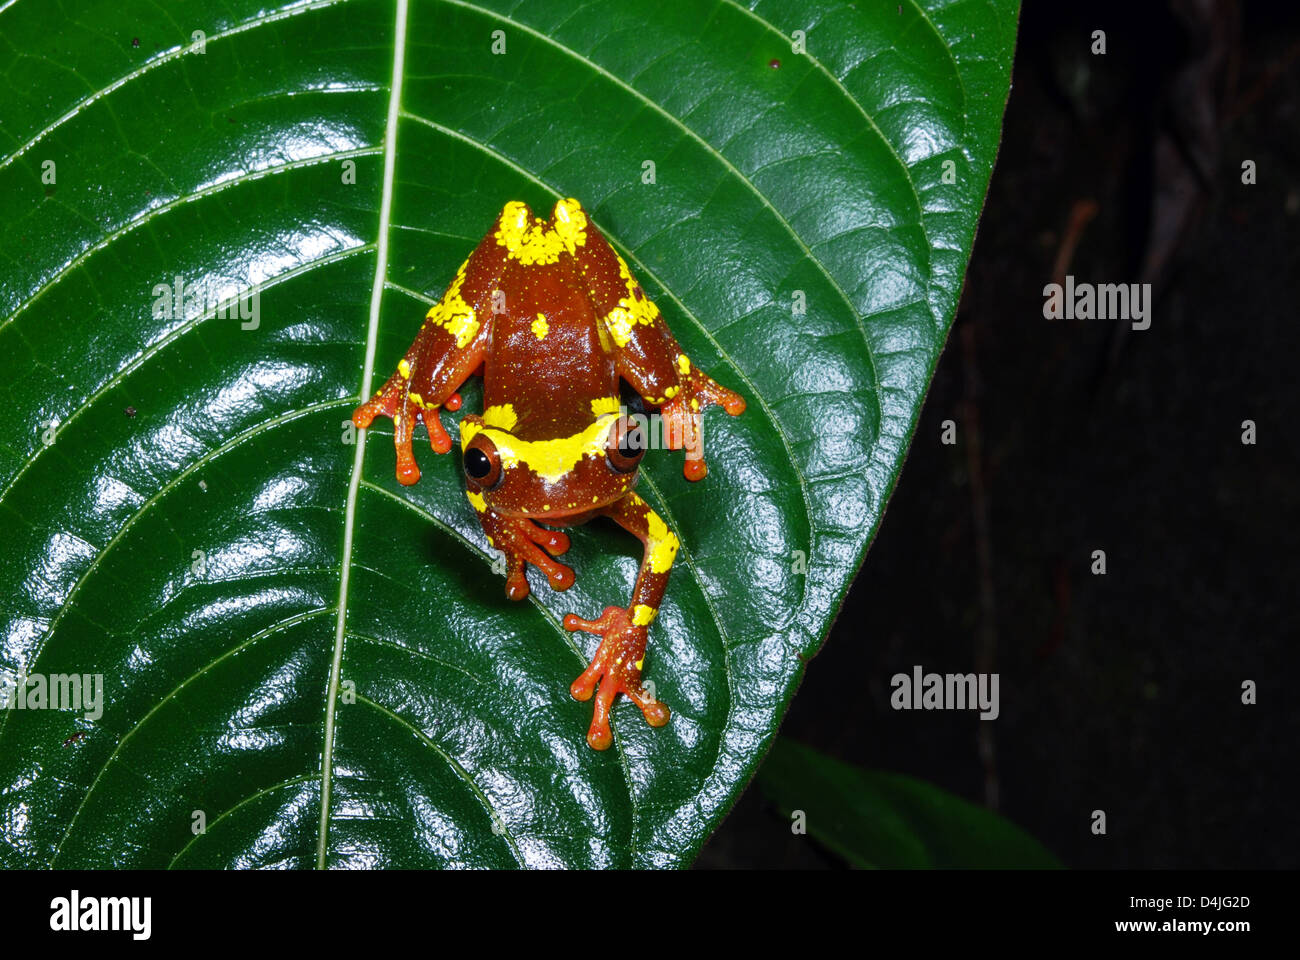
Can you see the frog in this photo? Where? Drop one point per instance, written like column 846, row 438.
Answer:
column 554, row 321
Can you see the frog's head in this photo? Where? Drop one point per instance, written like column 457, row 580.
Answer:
column 563, row 476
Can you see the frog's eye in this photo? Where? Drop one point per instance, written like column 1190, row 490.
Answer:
column 483, row 463
column 626, row 445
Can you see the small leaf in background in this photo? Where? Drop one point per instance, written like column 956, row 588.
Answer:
column 877, row 819
column 313, row 664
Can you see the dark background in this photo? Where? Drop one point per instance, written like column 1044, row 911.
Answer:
column 1120, row 692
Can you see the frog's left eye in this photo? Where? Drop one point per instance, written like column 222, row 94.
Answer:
column 483, row 463
column 626, row 445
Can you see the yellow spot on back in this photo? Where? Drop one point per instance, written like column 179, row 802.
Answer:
column 404, row 368
column 502, row 416
column 683, row 364
column 534, row 241
column 540, row 327
column 476, row 501
column 570, row 224
column 643, row 616
column 416, row 398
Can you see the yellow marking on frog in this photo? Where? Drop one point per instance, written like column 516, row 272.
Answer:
column 501, row 415
column 468, row 431
column 570, row 224
column 404, row 368
column 453, row 314
column 602, row 334
column 631, row 309
column 662, row 543
column 619, row 324
column 476, row 501
column 463, row 328
column 640, row 662
column 551, row 460
column 540, row 327
column 671, row 392
column 695, row 403
column 416, row 399
column 603, row 405
column 643, row 616
column 536, row 241
column 683, row 364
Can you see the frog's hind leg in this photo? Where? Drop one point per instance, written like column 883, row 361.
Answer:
column 522, row 542
column 616, row 667
column 450, row 346
column 647, row 355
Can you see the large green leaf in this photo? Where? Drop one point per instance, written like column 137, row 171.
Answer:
column 181, row 511
column 873, row 818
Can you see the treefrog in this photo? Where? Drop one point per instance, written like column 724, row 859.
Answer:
column 553, row 319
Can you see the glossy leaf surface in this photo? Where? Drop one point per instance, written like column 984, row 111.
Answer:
column 317, row 664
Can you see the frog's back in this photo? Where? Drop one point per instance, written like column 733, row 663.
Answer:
column 547, row 358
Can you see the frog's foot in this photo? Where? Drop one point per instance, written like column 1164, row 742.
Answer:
column 395, row 401
column 522, row 542
column 682, row 415
column 616, row 668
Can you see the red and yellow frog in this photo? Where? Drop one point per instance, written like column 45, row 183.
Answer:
column 552, row 317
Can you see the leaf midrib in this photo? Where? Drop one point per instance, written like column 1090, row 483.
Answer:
column 354, row 481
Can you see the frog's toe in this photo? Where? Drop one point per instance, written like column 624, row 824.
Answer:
column 396, row 402
column 439, row 439
column 408, row 471
column 525, row 552
column 682, row 418
column 517, row 582
column 615, row 669
column 558, row 575
column 553, row 541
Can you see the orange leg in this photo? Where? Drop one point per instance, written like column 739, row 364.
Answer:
column 616, row 667
column 522, row 541
column 682, row 417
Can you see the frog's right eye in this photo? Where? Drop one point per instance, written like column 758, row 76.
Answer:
column 483, row 463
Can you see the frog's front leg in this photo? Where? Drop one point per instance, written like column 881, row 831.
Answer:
column 616, row 667
column 522, row 540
